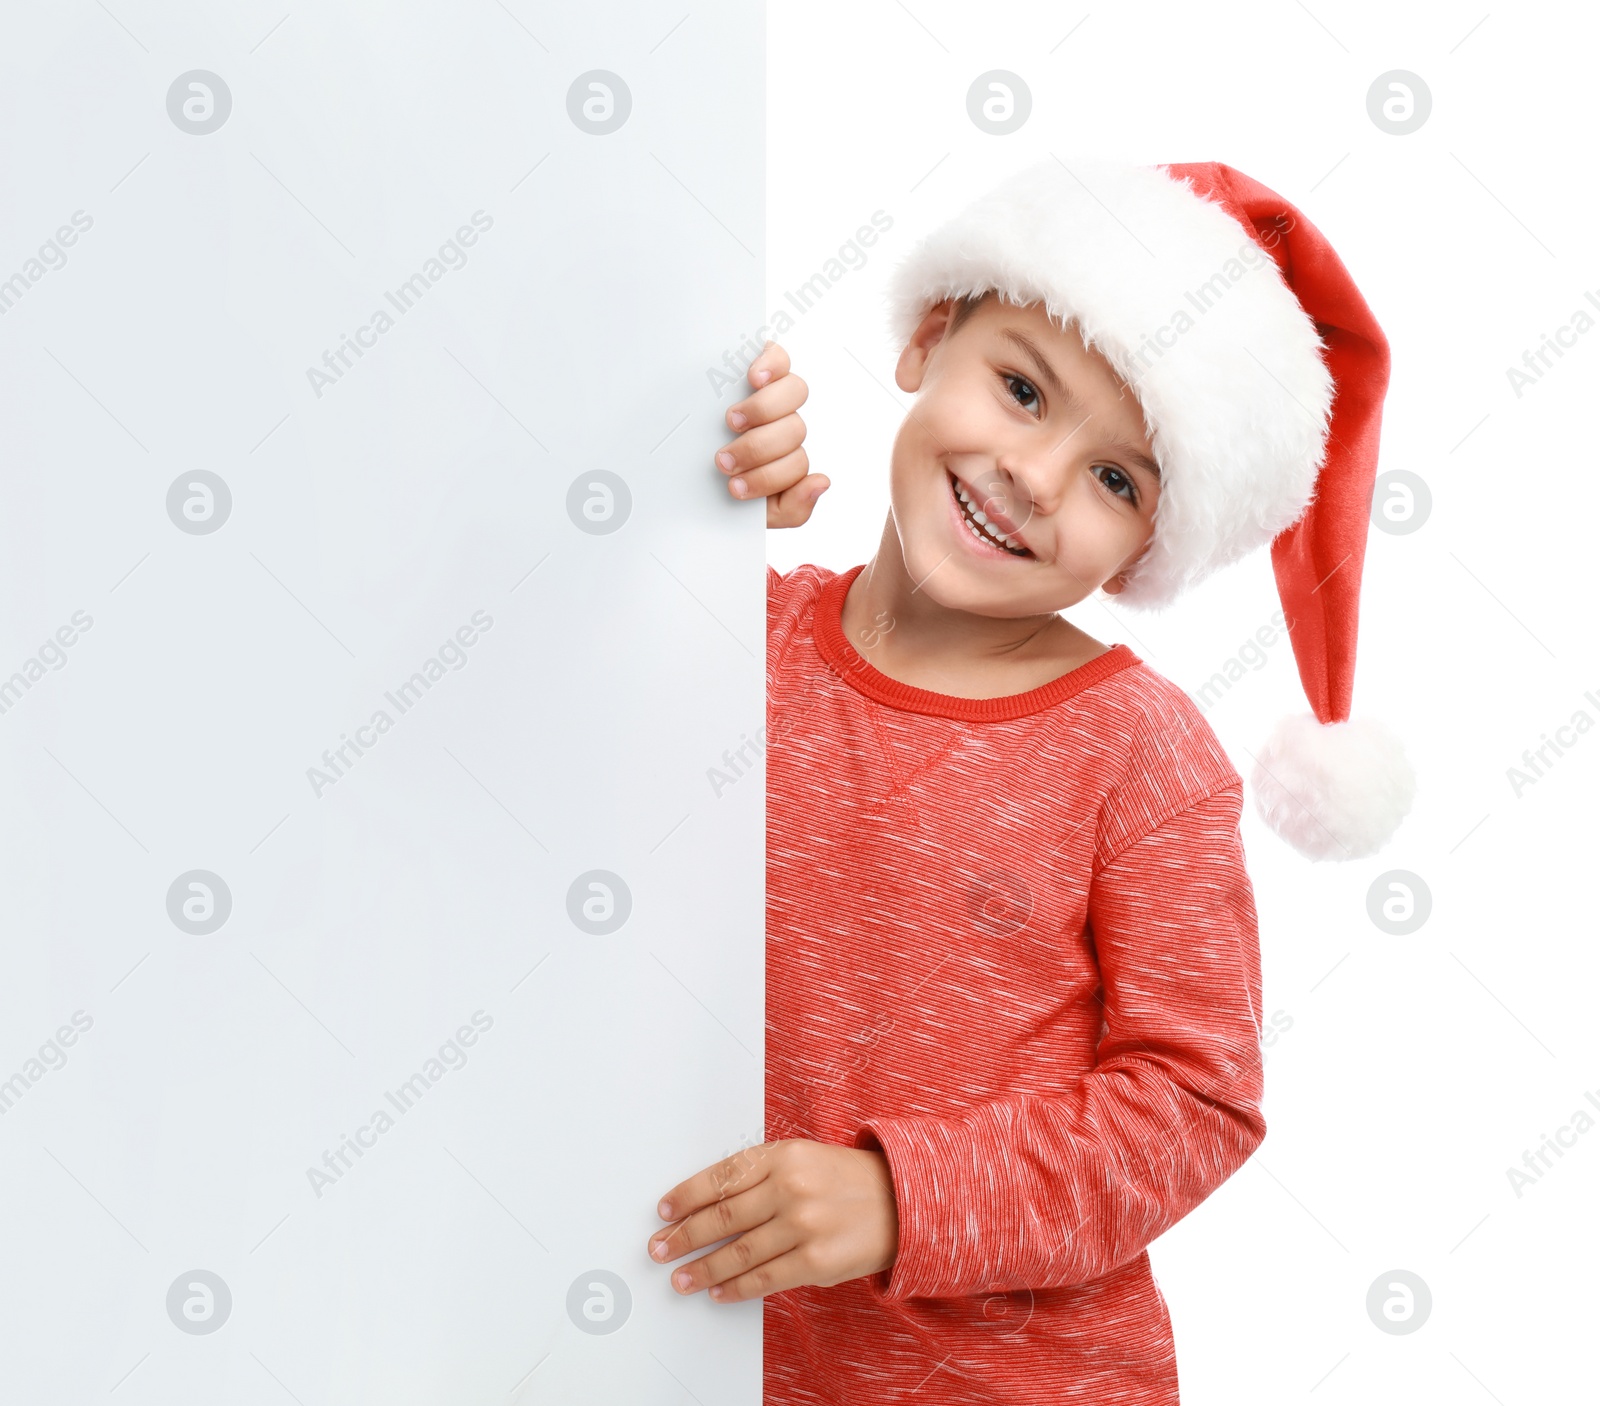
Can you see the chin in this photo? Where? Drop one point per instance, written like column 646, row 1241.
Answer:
column 950, row 580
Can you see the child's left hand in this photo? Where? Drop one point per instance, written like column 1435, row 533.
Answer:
column 809, row 1213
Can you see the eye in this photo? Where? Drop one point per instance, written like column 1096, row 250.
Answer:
column 1030, row 396
column 1119, row 481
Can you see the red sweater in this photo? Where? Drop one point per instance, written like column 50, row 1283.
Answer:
column 1011, row 943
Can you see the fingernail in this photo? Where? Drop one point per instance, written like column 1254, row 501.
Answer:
column 762, row 376
column 681, row 1278
column 658, row 1251
column 664, row 1210
column 725, row 459
column 737, row 420
column 715, row 1291
column 740, row 487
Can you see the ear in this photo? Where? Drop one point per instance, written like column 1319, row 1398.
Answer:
column 913, row 363
column 1115, row 585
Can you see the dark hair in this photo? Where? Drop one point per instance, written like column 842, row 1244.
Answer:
column 968, row 305
column 964, row 309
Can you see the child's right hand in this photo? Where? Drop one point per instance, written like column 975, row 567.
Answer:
column 767, row 460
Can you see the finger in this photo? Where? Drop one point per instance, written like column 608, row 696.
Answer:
column 785, row 1271
column 770, row 363
column 762, row 444
column 792, row 507
column 771, row 402
column 743, row 1168
column 737, row 1258
column 731, row 1215
column 771, row 478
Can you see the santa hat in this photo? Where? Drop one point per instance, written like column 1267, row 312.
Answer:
column 1261, row 373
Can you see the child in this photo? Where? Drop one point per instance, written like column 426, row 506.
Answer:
column 1013, row 977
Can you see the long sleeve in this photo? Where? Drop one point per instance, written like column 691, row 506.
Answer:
column 1034, row 1192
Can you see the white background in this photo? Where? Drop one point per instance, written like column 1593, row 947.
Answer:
column 1416, row 1069
column 368, row 524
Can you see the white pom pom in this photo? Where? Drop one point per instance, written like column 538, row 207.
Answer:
column 1336, row 790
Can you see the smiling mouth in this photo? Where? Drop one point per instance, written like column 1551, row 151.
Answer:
column 985, row 531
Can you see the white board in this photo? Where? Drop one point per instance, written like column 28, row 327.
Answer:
column 376, row 949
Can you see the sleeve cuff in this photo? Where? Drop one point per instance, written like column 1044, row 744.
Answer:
column 925, row 1158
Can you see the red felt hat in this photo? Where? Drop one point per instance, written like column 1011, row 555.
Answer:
column 1261, row 373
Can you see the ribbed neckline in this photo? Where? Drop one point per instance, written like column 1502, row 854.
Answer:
column 843, row 658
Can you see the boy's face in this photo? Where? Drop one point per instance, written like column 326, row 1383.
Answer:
column 1043, row 437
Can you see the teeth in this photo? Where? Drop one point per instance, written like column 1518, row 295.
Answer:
column 982, row 520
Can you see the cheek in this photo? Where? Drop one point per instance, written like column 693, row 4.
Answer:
column 969, row 422
column 957, row 416
column 1092, row 530
column 924, row 438
column 907, row 455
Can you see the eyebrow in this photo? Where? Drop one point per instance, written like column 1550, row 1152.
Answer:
column 1138, row 459
column 1047, row 373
